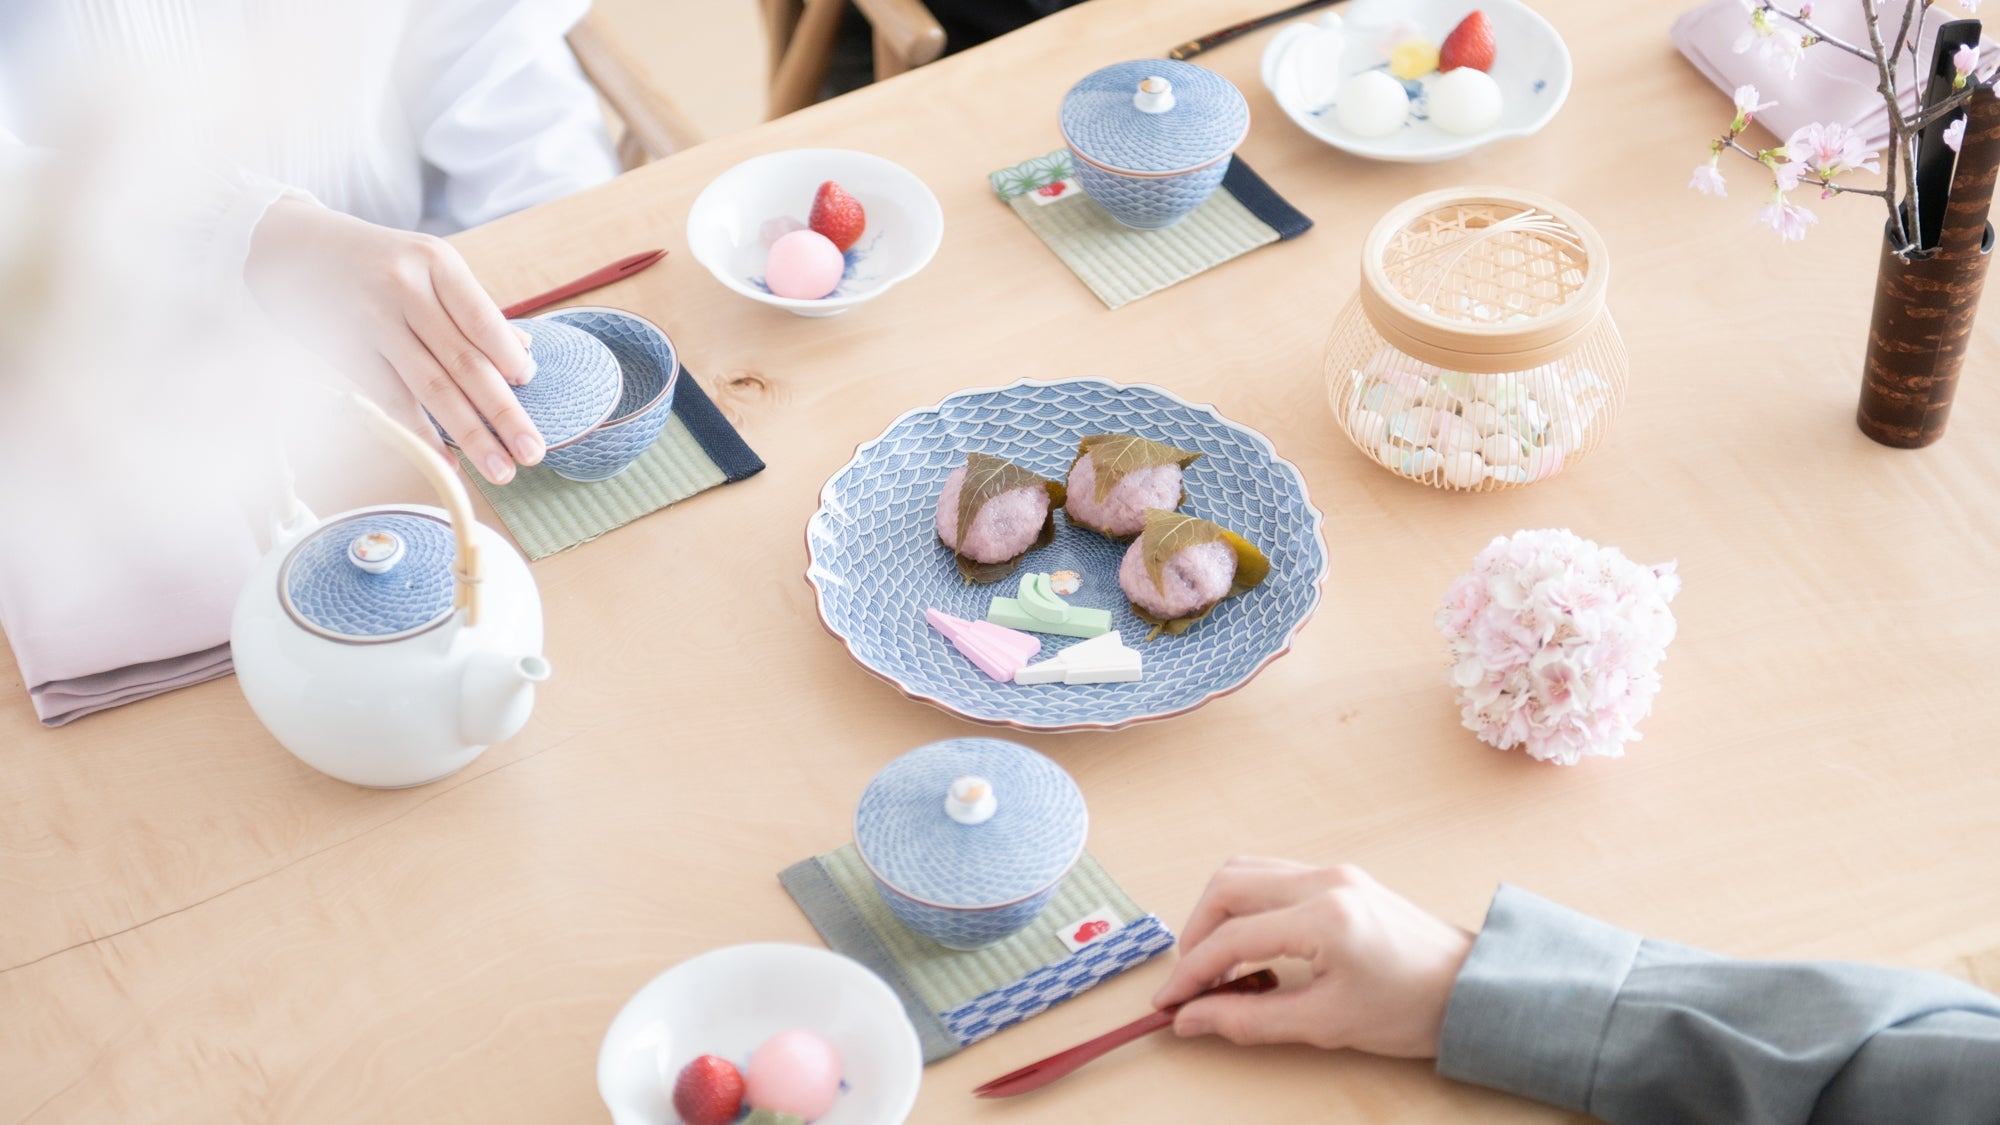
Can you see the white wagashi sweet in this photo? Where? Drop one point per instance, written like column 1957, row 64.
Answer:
column 1372, row 104
column 1464, row 101
column 1484, row 417
column 1544, row 461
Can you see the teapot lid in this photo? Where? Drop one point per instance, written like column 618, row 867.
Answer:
column 1154, row 117
column 370, row 577
column 970, row 823
column 577, row 382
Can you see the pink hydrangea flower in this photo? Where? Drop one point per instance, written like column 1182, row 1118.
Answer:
column 1823, row 150
column 1556, row 644
column 1708, row 179
column 1954, row 134
column 1787, row 218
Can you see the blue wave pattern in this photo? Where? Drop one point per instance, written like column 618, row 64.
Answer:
column 646, row 362
column 1035, row 993
column 325, row 591
column 877, row 564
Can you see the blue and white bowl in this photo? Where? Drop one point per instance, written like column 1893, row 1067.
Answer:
column 875, row 563
column 968, row 839
column 576, row 386
column 650, row 370
column 1151, row 139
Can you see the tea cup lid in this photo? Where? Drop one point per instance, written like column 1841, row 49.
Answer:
column 576, row 384
column 1154, row 117
column 970, row 823
column 374, row 576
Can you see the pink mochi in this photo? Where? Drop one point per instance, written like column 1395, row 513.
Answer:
column 1007, row 526
column 1191, row 581
column 805, row 265
column 794, row 1072
column 1123, row 511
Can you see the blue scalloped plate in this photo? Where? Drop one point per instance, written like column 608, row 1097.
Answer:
column 875, row 563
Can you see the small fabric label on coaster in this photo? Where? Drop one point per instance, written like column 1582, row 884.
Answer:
column 1089, row 928
column 1050, row 192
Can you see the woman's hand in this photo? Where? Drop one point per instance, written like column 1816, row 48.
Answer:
column 408, row 301
column 1382, row 969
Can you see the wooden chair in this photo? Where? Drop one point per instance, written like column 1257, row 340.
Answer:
column 802, row 34
column 653, row 126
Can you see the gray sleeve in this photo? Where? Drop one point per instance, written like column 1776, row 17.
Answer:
column 1565, row 1009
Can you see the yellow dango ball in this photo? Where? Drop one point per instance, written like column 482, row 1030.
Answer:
column 1413, row 58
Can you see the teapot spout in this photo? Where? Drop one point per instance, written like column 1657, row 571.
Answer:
column 496, row 695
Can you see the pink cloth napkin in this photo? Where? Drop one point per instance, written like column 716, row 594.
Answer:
column 1831, row 85
column 114, row 585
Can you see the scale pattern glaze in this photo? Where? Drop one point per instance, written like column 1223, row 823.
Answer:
column 326, row 592
column 576, row 383
column 648, row 363
column 1209, row 117
column 1035, row 834
column 876, row 563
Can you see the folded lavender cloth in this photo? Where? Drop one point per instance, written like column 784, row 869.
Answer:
column 1830, row 84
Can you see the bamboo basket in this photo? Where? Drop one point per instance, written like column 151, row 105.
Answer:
column 1478, row 354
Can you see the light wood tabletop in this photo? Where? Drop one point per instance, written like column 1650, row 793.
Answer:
column 194, row 927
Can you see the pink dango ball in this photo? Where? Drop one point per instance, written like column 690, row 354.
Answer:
column 804, row 265
column 795, row 1072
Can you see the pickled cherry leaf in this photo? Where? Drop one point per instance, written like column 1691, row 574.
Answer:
column 1169, row 533
column 987, row 476
column 1114, row 455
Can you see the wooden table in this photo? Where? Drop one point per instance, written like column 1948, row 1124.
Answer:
column 195, row 927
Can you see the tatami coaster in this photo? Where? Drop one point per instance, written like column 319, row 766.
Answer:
column 1121, row 264
column 1091, row 930
column 696, row 451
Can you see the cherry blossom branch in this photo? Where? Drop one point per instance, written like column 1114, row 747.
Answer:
column 1805, row 23
column 1899, row 130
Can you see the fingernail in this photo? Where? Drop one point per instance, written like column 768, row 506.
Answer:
column 528, row 372
column 499, row 470
column 528, row 447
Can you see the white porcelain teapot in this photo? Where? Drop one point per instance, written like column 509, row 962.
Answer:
column 388, row 646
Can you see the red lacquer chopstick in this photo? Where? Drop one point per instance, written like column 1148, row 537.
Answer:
column 622, row 268
column 1036, row 1075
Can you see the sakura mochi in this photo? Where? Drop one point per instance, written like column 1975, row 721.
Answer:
column 1117, row 478
column 991, row 512
column 1181, row 567
column 794, row 1072
column 805, row 265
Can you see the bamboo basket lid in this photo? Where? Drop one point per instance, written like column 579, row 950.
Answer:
column 1484, row 279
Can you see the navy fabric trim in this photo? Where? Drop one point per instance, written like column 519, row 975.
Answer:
column 716, row 436
column 840, row 924
column 1263, row 201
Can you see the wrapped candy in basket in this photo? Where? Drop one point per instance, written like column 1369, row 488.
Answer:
column 1478, row 353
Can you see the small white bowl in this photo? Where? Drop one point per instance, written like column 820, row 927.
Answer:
column 728, row 1001
column 1531, row 65
column 905, row 224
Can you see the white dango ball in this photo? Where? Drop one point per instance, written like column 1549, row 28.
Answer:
column 1372, row 104
column 1464, row 101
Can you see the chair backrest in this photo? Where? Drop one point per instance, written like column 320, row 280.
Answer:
column 802, row 33
column 654, row 126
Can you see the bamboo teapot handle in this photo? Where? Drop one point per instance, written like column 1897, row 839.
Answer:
column 466, row 571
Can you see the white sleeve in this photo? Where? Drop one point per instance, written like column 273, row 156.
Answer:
column 501, row 110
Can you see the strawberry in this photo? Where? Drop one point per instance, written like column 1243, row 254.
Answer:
column 838, row 216
column 1469, row 44
column 708, row 1092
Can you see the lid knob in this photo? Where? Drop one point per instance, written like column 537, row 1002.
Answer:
column 971, row 801
column 376, row 551
column 1156, row 95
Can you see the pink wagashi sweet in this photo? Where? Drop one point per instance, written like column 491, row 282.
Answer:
column 795, row 1072
column 803, row 265
column 997, row 650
